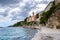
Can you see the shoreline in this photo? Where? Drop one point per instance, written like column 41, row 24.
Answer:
column 44, row 33
column 47, row 34
column 32, row 27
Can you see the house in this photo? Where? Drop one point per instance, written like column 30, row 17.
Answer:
column 32, row 18
column 40, row 15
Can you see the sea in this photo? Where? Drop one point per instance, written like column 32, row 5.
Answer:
column 17, row 33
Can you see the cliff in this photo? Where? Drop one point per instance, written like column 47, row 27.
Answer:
column 54, row 20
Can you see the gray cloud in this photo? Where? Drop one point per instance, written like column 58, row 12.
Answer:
column 44, row 2
column 8, row 2
column 18, row 14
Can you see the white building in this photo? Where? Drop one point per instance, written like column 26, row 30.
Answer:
column 48, row 6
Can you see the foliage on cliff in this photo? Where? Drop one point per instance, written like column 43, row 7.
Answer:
column 46, row 15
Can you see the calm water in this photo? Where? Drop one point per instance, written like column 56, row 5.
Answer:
column 17, row 33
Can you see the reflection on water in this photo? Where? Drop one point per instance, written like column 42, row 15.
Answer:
column 16, row 33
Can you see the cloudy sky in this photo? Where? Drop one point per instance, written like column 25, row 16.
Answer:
column 12, row 11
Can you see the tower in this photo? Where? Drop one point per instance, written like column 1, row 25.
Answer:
column 33, row 14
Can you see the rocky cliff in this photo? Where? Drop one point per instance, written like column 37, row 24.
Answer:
column 54, row 20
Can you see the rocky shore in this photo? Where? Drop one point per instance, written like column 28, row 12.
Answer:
column 47, row 34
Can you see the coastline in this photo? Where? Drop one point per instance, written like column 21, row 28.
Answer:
column 47, row 34
column 32, row 27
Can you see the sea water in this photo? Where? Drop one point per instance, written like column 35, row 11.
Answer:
column 17, row 33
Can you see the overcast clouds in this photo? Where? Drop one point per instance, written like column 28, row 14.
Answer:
column 12, row 11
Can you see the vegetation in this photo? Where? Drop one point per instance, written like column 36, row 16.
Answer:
column 46, row 15
column 37, row 15
column 18, row 23
column 32, row 23
column 43, row 19
column 22, row 23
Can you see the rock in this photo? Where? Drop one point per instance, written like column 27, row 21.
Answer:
column 47, row 38
column 54, row 19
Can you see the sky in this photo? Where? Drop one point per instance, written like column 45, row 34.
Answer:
column 12, row 11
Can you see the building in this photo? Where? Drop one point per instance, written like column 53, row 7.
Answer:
column 45, row 10
column 48, row 6
column 32, row 18
column 40, row 15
